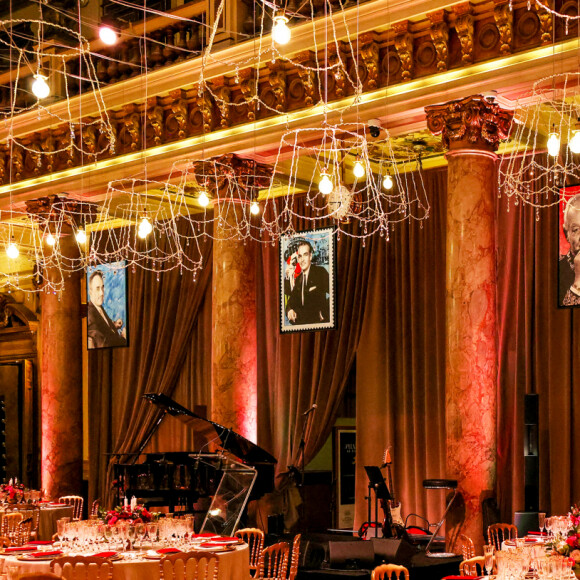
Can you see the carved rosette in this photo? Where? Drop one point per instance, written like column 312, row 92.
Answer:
column 504, row 19
column 404, row 47
column 469, row 123
column 465, row 31
column 440, row 38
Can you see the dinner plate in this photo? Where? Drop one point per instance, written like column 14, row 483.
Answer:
column 228, row 542
column 216, row 548
column 29, row 558
column 18, row 552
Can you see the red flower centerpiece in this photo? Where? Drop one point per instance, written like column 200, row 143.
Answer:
column 12, row 492
column 138, row 515
column 569, row 544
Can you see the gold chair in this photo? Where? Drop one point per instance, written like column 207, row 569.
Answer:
column 9, row 526
column 28, row 511
column 77, row 502
column 498, row 533
column 388, row 571
column 83, row 567
column 255, row 540
column 472, row 567
column 273, row 563
column 188, row 566
column 467, row 547
column 295, row 557
column 23, row 532
column 95, row 507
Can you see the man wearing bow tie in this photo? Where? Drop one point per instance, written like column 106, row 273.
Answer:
column 308, row 301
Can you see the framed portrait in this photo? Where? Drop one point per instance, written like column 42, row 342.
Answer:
column 308, row 281
column 107, row 324
column 569, row 247
column 344, row 470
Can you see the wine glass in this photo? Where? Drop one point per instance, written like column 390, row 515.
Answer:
column 140, row 533
column 542, row 521
column 152, row 531
column 488, row 559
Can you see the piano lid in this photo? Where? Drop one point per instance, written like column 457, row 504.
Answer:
column 209, row 431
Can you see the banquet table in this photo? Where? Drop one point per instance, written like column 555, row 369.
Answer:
column 49, row 514
column 234, row 565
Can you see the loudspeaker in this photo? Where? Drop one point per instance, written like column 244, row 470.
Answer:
column 351, row 555
column 390, row 551
column 531, row 454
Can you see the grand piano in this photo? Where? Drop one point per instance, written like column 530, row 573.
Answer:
column 225, row 468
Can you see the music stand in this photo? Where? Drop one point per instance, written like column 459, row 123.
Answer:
column 378, row 485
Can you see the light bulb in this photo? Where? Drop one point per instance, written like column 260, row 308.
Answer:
column 40, row 87
column 81, row 236
column 255, row 208
column 108, row 35
column 388, row 182
column 325, row 184
column 280, row 31
column 575, row 142
column 50, row 240
column 553, row 145
column 145, row 227
column 142, row 233
column 12, row 251
column 203, row 198
column 358, row 169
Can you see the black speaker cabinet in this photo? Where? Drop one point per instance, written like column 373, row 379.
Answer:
column 531, row 454
column 390, row 551
column 351, row 555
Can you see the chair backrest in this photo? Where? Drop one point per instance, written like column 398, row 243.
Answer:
column 23, row 532
column 467, row 547
column 188, row 566
column 472, row 567
column 497, row 533
column 9, row 525
column 255, row 540
column 388, row 571
column 95, row 507
column 77, row 567
column 273, row 562
column 295, row 557
column 77, row 502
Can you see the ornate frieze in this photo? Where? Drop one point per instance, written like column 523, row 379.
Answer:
column 464, row 28
column 369, row 51
column 404, row 46
column 154, row 128
column 472, row 122
column 440, row 37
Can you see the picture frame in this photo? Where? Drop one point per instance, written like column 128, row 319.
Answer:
column 568, row 246
column 344, row 471
column 107, row 311
column 308, row 303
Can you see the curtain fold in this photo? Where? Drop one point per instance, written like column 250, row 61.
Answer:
column 162, row 313
column 400, row 379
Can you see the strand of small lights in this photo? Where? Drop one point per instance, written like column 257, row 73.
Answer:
column 546, row 134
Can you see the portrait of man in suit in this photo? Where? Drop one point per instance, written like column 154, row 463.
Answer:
column 102, row 330
column 569, row 259
column 308, row 285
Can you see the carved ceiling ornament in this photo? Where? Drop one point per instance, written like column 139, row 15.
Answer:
column 504, row 19
column 404, row 46
column 465, row 31
column 472, row 122
column 370, row 56
column 440, row 38
column 546, row 22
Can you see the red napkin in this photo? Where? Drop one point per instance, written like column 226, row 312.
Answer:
column 227, row 539
column 105, row 554
column 537, row 533
column 211, row 545
column 168, row 551
column 462, row 577
column 530, row 540
column 21, row 549
column 40, row 543
column 205, row 535
column 44, row 554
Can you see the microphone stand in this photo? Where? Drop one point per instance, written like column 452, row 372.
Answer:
column 301, row 461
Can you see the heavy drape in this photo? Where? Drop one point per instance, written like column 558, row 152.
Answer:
column 162, row 315
column 539, row 352
column 400, row 387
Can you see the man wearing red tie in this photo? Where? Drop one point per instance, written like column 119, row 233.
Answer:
column 308, row 301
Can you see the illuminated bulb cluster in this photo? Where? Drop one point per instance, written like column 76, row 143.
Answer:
column 40, row 87
column 203, row 198
column 280, row 31
column 145, row 228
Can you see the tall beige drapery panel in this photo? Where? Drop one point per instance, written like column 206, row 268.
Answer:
column 539, row 352
column 300, row 369
column 162, row 315
column 400, row 371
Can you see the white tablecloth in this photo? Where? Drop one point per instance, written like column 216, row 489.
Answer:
column 233, row 565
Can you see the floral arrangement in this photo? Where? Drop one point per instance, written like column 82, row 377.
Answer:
column 139, row 514
column 12, row 491
column 569, row 545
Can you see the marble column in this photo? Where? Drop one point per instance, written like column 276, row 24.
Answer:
column 471, row 128
column 61, row 382
column 234, row 354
